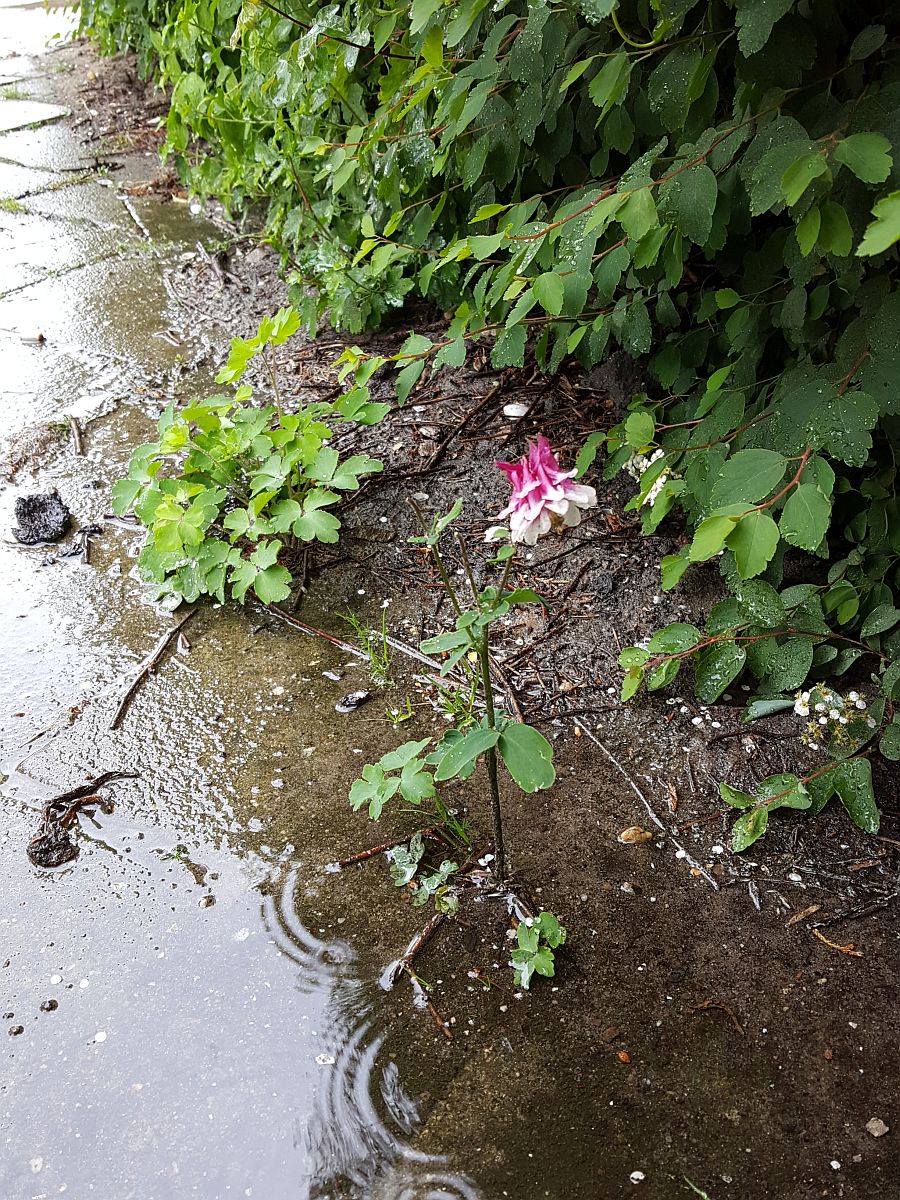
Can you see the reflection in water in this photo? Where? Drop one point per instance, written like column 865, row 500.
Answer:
column 352, row 1150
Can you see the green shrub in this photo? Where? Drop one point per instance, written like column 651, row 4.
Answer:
column 714, row 187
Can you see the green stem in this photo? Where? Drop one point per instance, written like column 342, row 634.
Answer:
column 490, row 759
column 468, row 566
column 439, row 562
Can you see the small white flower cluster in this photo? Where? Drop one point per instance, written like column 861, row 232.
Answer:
column 638, row 464
column 831, row 715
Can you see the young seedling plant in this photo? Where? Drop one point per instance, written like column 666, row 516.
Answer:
column 231, row 492
column 414, row 770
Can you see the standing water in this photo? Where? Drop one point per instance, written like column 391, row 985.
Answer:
column 185, row 1012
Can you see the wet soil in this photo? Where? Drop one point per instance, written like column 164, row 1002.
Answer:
column 219, row 1028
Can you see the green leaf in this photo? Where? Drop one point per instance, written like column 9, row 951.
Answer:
column 807, row 230
column 710, row 534
column 734, row 797
column 273, row 584
column 528, row 757
column 793, row 664
column 783, row 791
column 464, row 752
column 852, row 780
column 867, row 155
column 689, row 201
column 806, row 517
column 633, row 656
column 753, row 541
column 756, row 710
column 632, row 680
column 890, row 742
column 672, row 567
column 396, row 759
column 716, row 668
column 315, row 524
column 800, row 174
column 609, row 84
column 663, row 674
column 672, row 639
column 748, row 475
column 866, row 42
column 880, row 619
column 548, row 290
column 588, row 452
column 749, row 828
column 884, row 231
column 835, row 234
column 639, row 429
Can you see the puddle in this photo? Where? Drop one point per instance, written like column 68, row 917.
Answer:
column 199, row 1015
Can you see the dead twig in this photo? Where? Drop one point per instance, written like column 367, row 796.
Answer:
column 807, row 912
column 852, row 913
column 685, row 854
column 850, row 947
column 705, row 1005
column 77, row 439
column 364, row 855
column 441, row 448
column 391, row 973
column 423, row 1000
column 147, row 667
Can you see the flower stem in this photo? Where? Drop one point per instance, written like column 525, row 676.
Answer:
column 439, row 562
column 490, row 759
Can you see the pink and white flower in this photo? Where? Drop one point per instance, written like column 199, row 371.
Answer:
column 543, row 496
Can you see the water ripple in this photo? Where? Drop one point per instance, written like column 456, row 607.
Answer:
column 353, row 1152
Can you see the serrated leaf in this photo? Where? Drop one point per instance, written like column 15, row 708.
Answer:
column 716, row 668
column 800, row 174
column 879, row 620
column 806, row 517
column 884, row 231
column 748, row 475
column 548, row 290
column 867, row 155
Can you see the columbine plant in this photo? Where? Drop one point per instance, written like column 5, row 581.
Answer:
column 231, row 492
column 481, row 730
column 543, row 494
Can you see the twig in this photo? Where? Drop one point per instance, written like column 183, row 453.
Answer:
column 147, row 667
column 640, row 795
column 850, row 948
column 416, row 944
column 363, row 855
column 704, row 1005
column 685, row 854
column 852, row 913
column 442, row 445
column 88, row 789
column 75, row 430
column 422, row 998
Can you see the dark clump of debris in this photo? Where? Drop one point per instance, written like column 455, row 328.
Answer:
column 41, row 518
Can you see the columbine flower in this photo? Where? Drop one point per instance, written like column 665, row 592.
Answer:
column 542, row 494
